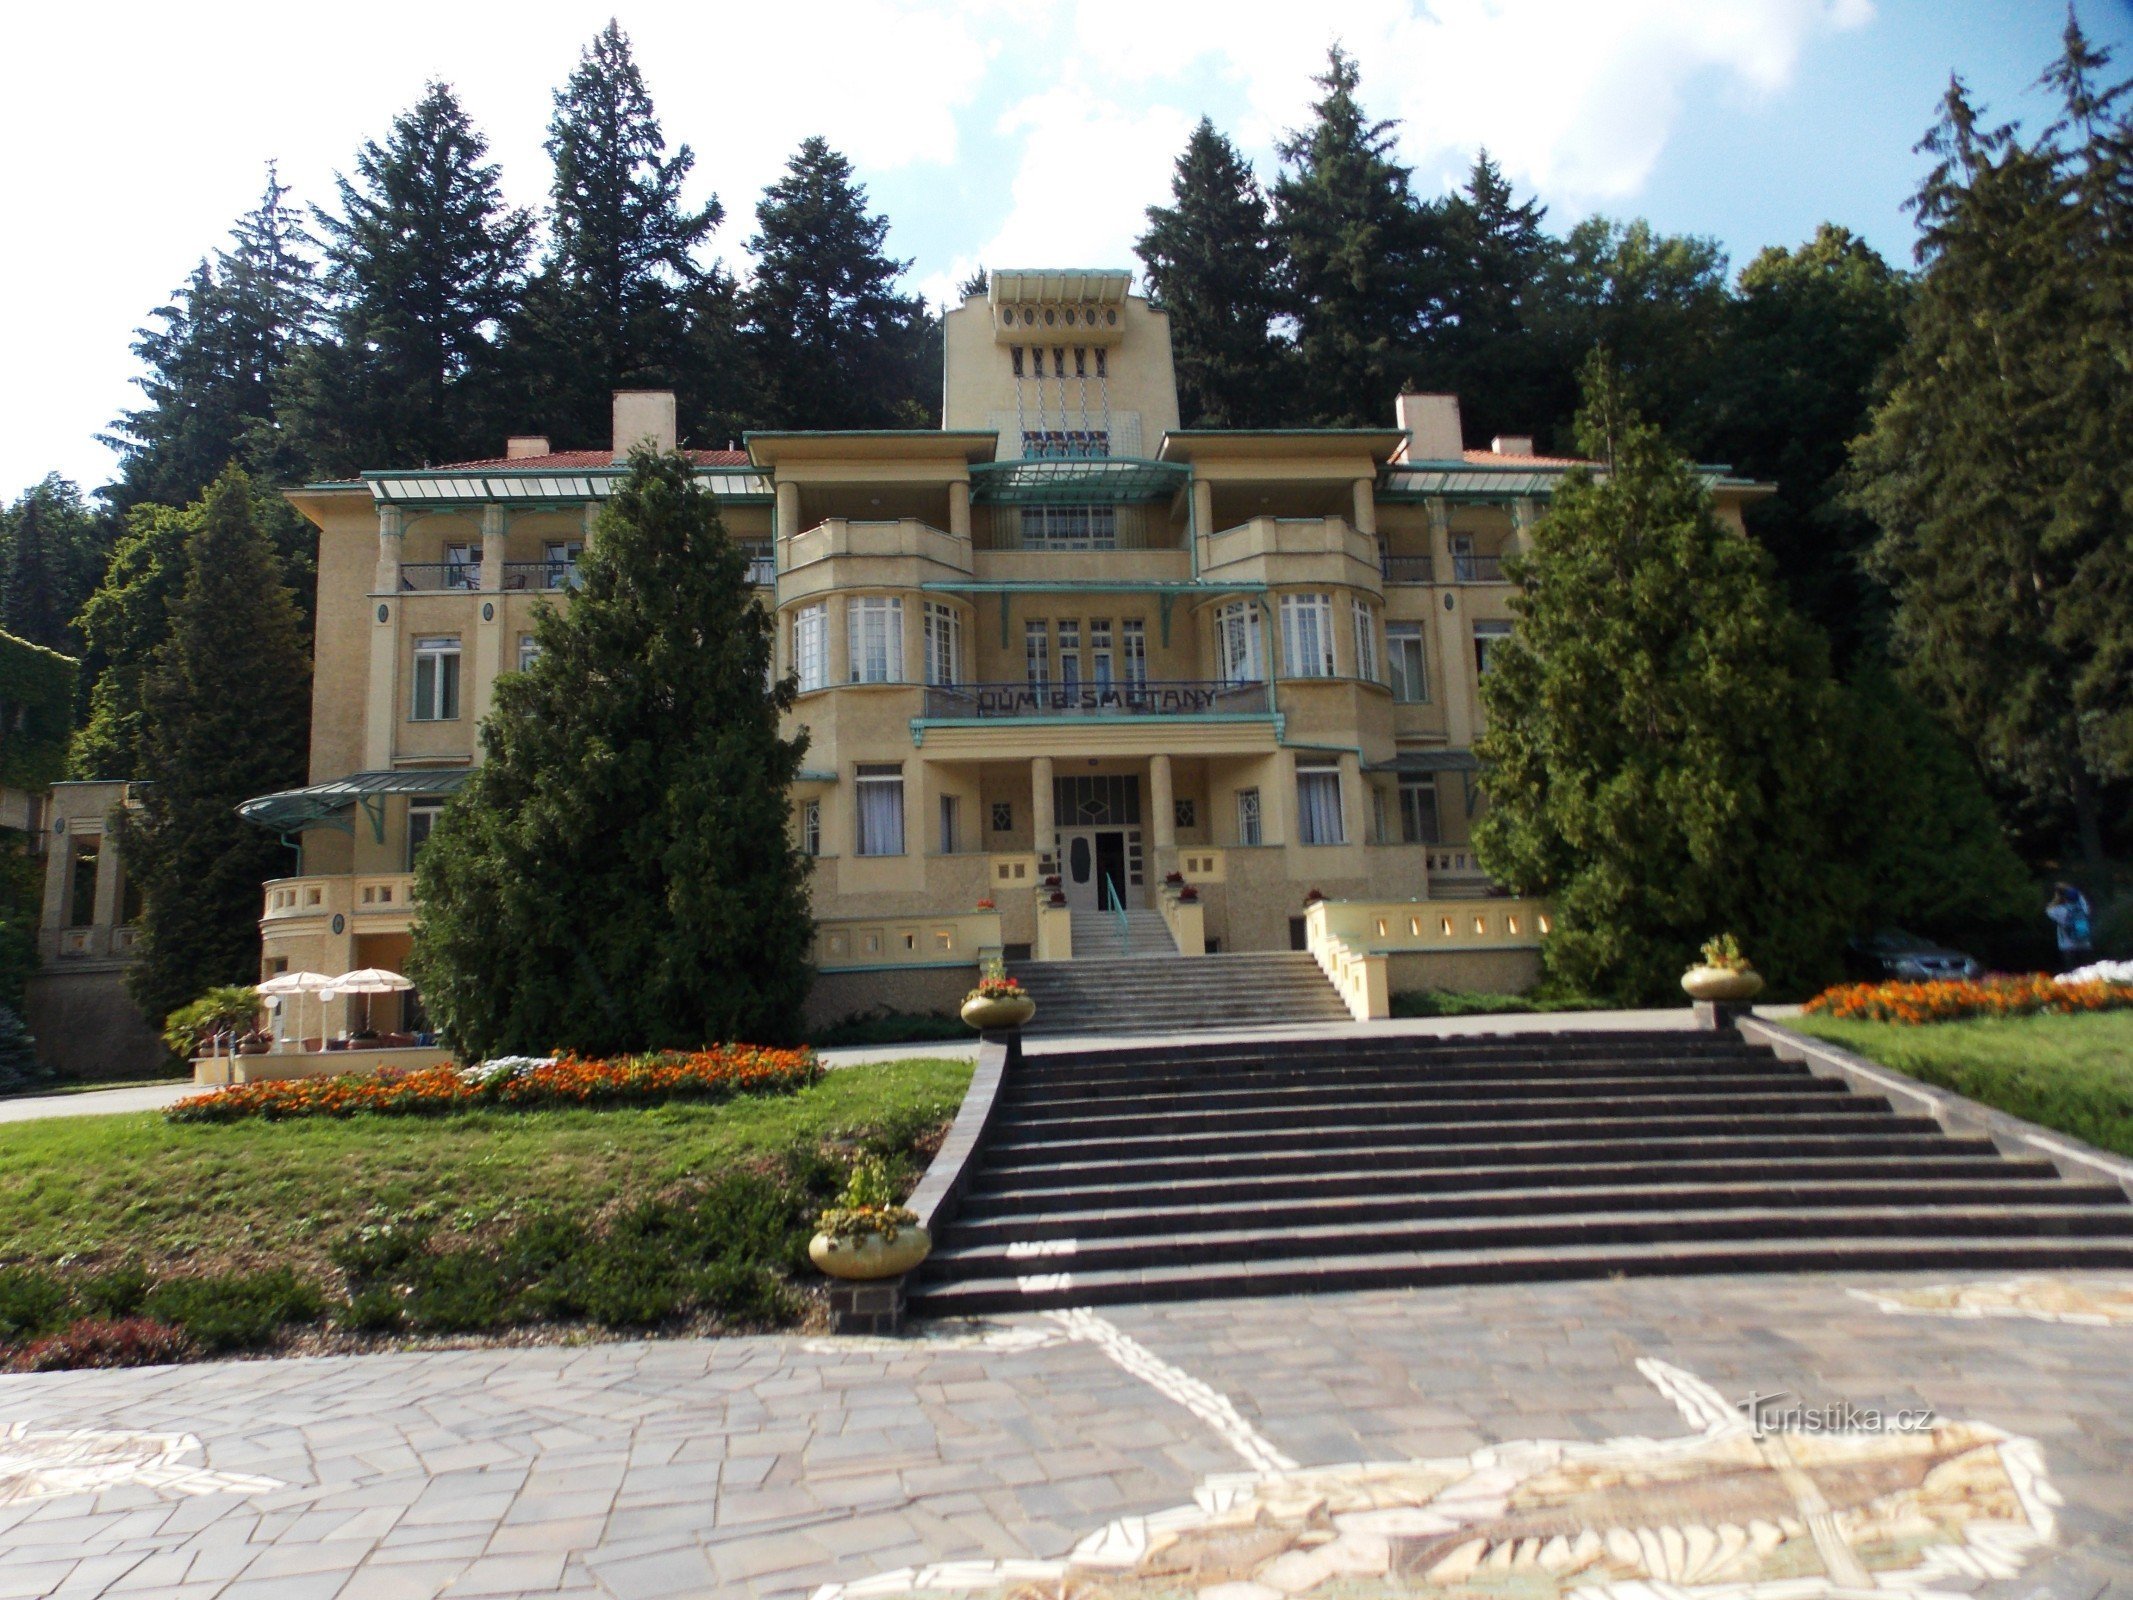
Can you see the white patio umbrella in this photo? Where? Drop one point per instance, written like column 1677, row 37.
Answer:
column 367, row 981
column 284, row 984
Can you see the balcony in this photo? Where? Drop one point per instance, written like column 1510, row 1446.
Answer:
column 762, row 566
column 904, row 538
column 1178, row 697
column 387, row 897
column 560, row 574
column 440, row 577
column 1408, row 569
column 1476, row 568
column 1290, row 549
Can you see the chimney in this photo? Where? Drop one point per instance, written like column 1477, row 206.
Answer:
column 641, row 415
column 1512, row 444
column 521, row 445
column 1431, row 423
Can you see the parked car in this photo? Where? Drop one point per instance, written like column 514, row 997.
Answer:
column 1890, row 953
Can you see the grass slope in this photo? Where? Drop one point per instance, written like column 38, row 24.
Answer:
column 2074, row 1074
column 138, row 1191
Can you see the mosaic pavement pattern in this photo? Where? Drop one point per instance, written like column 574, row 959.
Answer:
column 1513, row 1443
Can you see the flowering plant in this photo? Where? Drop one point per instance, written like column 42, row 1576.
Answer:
column 867, row 1206
column 1724, row 952
column 987, row 905
column 1188, row 893
column 1173, row 877
column 1953, row 999
column 523, row 1083
column 995, row 984
column 1313, row 898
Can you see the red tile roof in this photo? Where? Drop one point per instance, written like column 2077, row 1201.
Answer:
column 579, row 460
column 1489, row 458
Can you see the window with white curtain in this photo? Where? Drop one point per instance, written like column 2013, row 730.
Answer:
column 1247, row 816
column 1069, row 653
column 436, row 679
column 1237, row 643
column 1037, row 653
column 874, row 633
column 879, row 790
column 1307, row 635
column 529, row 651
column 811, row 827
column 1103, row 670
column 1318, row 804
column 1366, row 643
column 811, row 646
column 944, row 645
column 1403, row 653
column 1133, row 640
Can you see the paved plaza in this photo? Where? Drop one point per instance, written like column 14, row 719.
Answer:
column 1398, row 1442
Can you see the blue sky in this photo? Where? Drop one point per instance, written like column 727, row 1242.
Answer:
column 1017, row 133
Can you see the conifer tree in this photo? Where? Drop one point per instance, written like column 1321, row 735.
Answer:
column 1211, row 264
column 54, row 548
column 979, row 282
column 609, row 307
column 2000, row 467
column 1363, row 267
column 423, row 263
column 832, row 344
column 122, row 624
column 619, row 873
column 226, row 712
column 1484, row 349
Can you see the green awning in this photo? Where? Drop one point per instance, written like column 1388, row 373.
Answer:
column 325, row 804
column 1054, row 480
column 1422, row 761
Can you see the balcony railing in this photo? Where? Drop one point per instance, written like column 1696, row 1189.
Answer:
column 436, row 577
column 1408, row 569
column 558, row 574
column 1178, row 697
column 1477, row 569
column 762, row 569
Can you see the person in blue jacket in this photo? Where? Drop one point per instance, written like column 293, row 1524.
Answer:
column 2069, row 911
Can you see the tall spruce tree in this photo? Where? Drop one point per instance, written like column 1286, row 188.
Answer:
column 226, row 712
column 1484, row 349
column 424, row 263
column 619, row 873
column 1806, row 337
column 610, row 306
column 1212, row 265
column 2000, row 467
column 122, row 625
column 216, row 354
column 54, row 548
column 831, row 342
column 1363, row 260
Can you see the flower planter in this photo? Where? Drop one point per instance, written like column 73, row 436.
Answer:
column 1729, row 984
column 867, row 1256
column 986, row 1015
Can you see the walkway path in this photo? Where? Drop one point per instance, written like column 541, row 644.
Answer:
column 797, row 1467
column 95, row 1102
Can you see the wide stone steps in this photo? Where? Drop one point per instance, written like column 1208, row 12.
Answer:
column 1146, row 936
column 1233, row 1167
column 1178, row 994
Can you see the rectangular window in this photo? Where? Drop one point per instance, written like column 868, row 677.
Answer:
column 1069, row 654
column 879, row 787
column 811, row 827
column 81, row 881
column 1003, row 816
column 1069, row 527
column 950, row 807
column 1403, row 650
column 1133, row 638
column 1247, row 816
column 1464, row 562
column 529, row 651
column 874, row 634
column 1307, row 635
column 811, row 646
column 1318, row 805
column 1487, row 636
column 1237, row 643
column 1037, row 653
column 1366, row 643
column 422, row 817
column 944, row 645
column 436, row 680
column 1418, row 811
column 1102, row 671
column 462, row 566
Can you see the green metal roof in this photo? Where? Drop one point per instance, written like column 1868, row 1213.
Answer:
column 1055, row 480
column 293, row 810
column 1428, row 761
column 430, row 486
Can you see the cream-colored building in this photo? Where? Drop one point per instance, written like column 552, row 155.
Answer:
column 1060, row 636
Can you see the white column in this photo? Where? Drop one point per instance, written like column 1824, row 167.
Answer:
column 392, row 542
column 788, row 511
column 1366, row 507
column 1042, row 827
column 1161, row 801
column 959, row 508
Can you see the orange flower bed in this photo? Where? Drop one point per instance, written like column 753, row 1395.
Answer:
column 1955, row 999
column 709, row 1074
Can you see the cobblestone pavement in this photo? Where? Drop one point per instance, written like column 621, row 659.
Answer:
column 775, row 1466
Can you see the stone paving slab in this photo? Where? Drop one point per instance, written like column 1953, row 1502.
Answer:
column 773, row 1466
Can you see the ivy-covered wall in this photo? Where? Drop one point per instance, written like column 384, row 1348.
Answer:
column 36, row 713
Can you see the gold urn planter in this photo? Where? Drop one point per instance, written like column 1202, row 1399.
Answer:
column 1730, row 985
column 1007, row 1012
column 863, row 1257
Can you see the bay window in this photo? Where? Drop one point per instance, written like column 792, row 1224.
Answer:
column 1307, row 635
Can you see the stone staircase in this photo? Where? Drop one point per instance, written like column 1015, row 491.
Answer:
column 1147, row 936
column 1146, row 1173
column 1153, row 993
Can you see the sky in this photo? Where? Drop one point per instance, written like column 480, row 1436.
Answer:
column 1014, row 134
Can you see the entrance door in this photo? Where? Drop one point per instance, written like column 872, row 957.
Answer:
column 1110, row 868
column 1088, row 859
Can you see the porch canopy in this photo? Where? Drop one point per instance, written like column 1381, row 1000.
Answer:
column 330, row 805
column 1415, row 762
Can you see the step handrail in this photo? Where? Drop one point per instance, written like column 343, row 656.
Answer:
column 1118, row 909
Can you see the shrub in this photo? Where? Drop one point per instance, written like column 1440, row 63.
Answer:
column 715, row 1073
column 1463, row 1003
column 227, row 1008
column 235, row 1311
column 892, row 1027
column 102, row 1342
column 457, row 1291
column 116, row 1294
column 32, row 1302
column 1954, row 999
column 19, row 1066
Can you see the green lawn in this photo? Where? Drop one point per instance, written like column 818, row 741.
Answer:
column 136, row 1190
column 2070, row 1073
